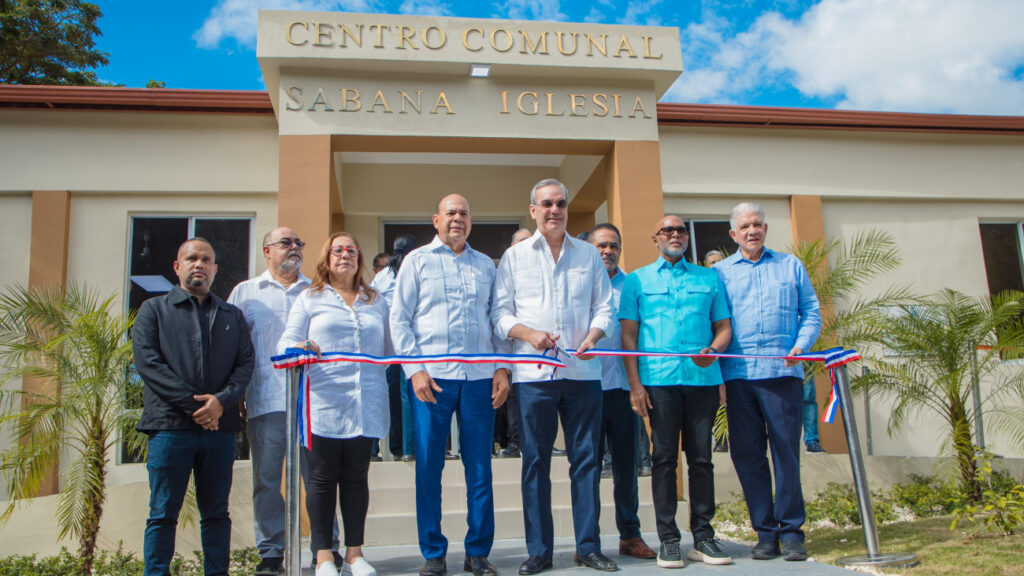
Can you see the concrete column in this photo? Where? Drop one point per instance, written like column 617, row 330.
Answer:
column 48, row 266
column 808, row 226
column 635, row 200
column 307, row 195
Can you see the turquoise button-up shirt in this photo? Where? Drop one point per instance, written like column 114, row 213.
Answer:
column 774, row 309
column 675, row 306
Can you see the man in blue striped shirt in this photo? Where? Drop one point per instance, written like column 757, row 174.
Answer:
column 775, row 312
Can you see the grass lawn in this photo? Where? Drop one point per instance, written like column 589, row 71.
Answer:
column 970, row 549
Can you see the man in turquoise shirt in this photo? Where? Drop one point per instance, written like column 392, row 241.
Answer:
column 674, row 306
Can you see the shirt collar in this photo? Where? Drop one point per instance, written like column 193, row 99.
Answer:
column 538, row 238
column 437, row 244
column 267, row 278
column 662, row 263
column 768, row 253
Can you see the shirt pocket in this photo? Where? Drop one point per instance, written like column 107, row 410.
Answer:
column 653, row 307
column 528, row 286
column 580, row 285
column 438, row 286
column 697, row 299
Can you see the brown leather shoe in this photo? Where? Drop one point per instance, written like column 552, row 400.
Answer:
column 637, row 548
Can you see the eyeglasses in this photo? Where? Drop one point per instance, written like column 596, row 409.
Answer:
column 287, row 243
column 668, row 231
column 561, row 204
column 339, row 250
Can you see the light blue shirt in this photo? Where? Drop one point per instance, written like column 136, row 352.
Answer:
column 613, row 372
column 675, row 305
column 442, row 305
column 774, row 309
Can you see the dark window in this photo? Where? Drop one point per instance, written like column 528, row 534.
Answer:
column 706, row 236
column 152, row 252
column 1000, row 246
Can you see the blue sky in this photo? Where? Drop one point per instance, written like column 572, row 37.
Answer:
column 940, row 56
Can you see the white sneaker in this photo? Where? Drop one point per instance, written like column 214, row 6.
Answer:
column 358, row 568
column 327, row 569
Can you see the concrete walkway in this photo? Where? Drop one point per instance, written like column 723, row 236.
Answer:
column 508, row 554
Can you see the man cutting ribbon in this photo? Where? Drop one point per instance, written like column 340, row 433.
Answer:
column 553, row 289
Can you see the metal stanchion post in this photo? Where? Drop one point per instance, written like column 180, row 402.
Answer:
column 979, row 427
column 293, row 535
column 874, row 557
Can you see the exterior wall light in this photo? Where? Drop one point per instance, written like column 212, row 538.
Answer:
column 479, row 70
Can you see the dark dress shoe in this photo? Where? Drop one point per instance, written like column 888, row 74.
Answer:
column 434, row 567
column 637, row 548
column 597, row 561
column 534, row 565
column 479, row 566
column 765, row 550
column 794, row 551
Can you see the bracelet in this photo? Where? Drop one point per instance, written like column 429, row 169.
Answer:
column 715, row 350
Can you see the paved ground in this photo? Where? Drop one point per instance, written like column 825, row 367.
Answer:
column 507, row 555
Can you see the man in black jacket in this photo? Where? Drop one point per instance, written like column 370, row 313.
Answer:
column 193, row 352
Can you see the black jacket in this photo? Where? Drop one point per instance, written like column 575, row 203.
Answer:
column 169, row 354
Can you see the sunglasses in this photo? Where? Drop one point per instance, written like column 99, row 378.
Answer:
column 668, row 231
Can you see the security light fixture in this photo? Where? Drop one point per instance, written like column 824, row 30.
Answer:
column 479, row 70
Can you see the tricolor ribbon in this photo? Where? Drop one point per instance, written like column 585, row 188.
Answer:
column 300, row 358
column 295, row 357
column 832, row 358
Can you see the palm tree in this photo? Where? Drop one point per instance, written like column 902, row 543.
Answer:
column 839, row 270
column 931, row 372
column 67, row 337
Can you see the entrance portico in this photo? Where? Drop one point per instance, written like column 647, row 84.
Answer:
column 379, row 117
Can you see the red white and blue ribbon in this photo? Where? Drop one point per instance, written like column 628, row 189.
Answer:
column 301, row 359
column 832, row 358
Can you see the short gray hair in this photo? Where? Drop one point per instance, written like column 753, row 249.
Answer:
column 548, row 182
column 744, row 208
column 713, row 253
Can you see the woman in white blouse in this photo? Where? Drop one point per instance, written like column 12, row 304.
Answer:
column 348, row 401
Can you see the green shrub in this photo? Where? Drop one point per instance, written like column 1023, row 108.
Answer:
column 1002, row 500
column 924, row 496
column 120, row 563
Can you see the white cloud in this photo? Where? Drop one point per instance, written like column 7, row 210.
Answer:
column 236, row 19
column 643, row 13
column 530, row 10
column 906, row 55
column 425, row 8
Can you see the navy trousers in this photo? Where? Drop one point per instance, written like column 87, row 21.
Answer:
column 471, row 402
column 173, row 456
column 767, row 414
column 619, row 437
column 578, row 403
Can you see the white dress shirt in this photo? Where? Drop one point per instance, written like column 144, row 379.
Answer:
column 265, row 304
column 567, row 298
column 347, row 399
column 384, row 284
column 442, row 305
column 613, row 371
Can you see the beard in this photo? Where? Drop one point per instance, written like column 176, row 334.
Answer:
column 673, row 252
column 291, row 264
column 196, row 282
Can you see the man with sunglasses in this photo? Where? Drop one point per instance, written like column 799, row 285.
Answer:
column 265, row 302
column 552, row 292
column 674, row 306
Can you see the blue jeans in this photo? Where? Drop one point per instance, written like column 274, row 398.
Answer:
column 470, row 402
column 578, row 403
column 810, row 412
column 173, row 456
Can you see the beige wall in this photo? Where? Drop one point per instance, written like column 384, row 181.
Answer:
column 130, row 151
column 884, row 165
column 941, row 248
column 16, row 223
